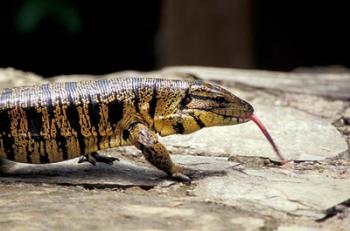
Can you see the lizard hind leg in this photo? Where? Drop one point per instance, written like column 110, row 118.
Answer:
column 155, row 152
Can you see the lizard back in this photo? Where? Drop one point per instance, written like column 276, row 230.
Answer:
column 59, row 121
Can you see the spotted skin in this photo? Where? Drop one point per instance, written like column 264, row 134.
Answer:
column 54, row 122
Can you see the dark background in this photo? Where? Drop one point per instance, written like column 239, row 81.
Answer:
column 51, row 37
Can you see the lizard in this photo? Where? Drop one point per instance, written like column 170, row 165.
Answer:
column 53, row 122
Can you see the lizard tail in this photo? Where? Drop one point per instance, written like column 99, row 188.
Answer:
column 5, row 166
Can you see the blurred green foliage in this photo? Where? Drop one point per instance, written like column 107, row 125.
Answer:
column 32, row 12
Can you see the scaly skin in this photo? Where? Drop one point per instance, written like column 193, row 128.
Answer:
column 60, row 121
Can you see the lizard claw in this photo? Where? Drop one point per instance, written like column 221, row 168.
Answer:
column 104, row 159
column 87, row 158
column 181, row 177
column 94, row 157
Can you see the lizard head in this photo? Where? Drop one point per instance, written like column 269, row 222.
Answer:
column 212, row 105
column 202, row 105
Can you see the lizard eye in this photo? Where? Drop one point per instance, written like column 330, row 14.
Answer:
column 220, row 99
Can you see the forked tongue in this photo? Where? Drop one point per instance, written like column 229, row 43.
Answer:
column 256, row 120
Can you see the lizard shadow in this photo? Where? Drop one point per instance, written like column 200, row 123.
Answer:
column 121, row 174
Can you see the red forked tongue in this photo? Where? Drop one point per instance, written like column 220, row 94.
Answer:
column 256, row 120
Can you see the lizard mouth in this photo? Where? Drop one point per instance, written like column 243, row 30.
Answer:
column 246, row 118
column 243, row 119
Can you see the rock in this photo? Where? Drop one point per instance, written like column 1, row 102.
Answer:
column 298, row 228
column 235, row 184
column 314, row 105
column 48, row 207
column 299, row 135
column 278, row 189
column 10, row 77
column 249, row 223
column 346, row 116
column 122, row 174
column 336, row 86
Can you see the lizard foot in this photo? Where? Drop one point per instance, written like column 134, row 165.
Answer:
column 104, row 159
column 181, row 177
column 95, row 157
column 87, row 158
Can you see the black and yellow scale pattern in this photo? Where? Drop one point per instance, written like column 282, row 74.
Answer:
column 60, row 121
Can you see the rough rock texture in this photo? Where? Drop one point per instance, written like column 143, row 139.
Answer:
column 238, row 184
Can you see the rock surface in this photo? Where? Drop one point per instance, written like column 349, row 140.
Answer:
column 237, row 184
column 335, row 86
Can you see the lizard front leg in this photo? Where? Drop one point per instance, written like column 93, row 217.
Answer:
column 155, row 152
